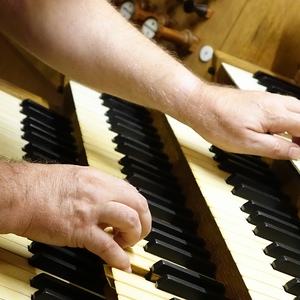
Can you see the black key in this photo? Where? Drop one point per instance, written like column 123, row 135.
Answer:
column 47, row 125
column 122, row 140
column 237, row 179
column 177, row 242
column 178, row 256
column 136, row 147
column 172, row 205
column 159, row 176
column 90, row 262
column 27, row 103
column 67, row 140
column 130, row 115
column 282, row 91
column 253, row 158
column 128, row 160
column 145, row 175
column 233, row 166
column 173, row 217
column 148, row 130
column 257, row 164
column 151, row 196
column 259, row 217
column 128, row 131
column 271, row 81
column 30, row 108
column 287, row 265
column 165, row 267
column 38, row 149
column 45, row 281
column 274, row 233
column 278, row 249
column 271, row 203
column 131, row 150
column 185, row 289
column 252, row 206
column 48, row 294
column 145, row 139
column 293, row 287
column 114, row 102
column 67, row 271
column 140, row 181
column 177, row 231
column 50, row 143
column 251, row 193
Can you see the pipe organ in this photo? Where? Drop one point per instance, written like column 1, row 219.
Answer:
column 161, row 27
column 224, row 226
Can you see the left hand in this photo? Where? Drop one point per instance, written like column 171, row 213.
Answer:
column 246, row 121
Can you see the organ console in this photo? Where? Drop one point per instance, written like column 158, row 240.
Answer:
column 132, row 10
column 161, row 26
column 143, row 4
column 222, row 227
column 202, row 10
column 184, row 39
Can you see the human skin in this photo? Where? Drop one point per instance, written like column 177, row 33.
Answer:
column 70, row 205
column 90, row 42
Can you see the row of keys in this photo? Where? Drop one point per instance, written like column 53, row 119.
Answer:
column 49, row 135
column 276, row 220
column 254, row 268
column 145, row 167
column 162, row 245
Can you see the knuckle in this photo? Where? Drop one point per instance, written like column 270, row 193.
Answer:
column 143, row 204
column 132, row 218
column 276, row 148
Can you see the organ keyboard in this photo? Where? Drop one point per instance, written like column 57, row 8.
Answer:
column 253, row 79
column 230, row 244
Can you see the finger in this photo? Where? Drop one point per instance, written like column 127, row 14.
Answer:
column 124, row 220
column 103, row 245
column 291, row 103
column 128, row 195
column 274, row 146
column 285, row 115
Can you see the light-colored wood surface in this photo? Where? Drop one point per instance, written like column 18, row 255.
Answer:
column 266, row 33
column 18, row 68
column 262, row 32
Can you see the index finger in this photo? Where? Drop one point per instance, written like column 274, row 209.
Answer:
column 125, row 221
column 128, row 195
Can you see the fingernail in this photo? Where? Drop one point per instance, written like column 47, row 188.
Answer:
column 294, row 153
column 128, row 270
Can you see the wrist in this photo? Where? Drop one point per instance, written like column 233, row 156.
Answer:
column 186, row 101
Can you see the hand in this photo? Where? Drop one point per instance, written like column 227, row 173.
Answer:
column 246, row 121
column 69, row 205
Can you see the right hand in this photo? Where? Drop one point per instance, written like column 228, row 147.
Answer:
column 67, row 205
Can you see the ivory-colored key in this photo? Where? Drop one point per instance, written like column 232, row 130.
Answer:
column 262, row 281
column 135, row 286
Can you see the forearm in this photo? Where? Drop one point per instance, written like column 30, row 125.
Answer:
column 91, row 42
column 14, row 192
